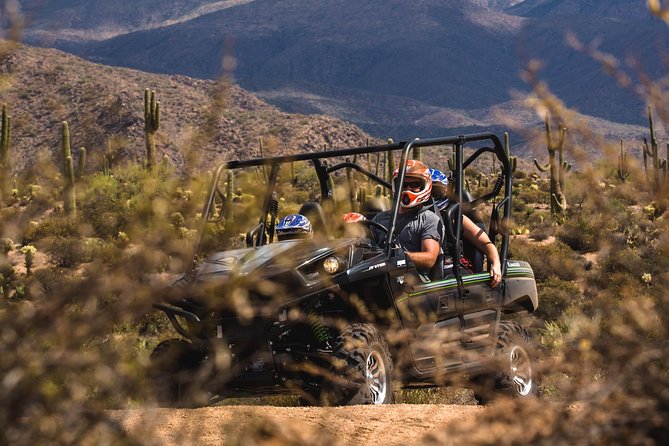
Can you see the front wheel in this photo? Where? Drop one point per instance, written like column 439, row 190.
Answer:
column 173, row 368
column 516, row 374
column 362, row 369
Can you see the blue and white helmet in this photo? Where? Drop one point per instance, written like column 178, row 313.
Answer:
column 439, row 188
column 293, row 226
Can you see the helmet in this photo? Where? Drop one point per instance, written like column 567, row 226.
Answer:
column 353, row 217
column 439, row 184
column 416, row 170
column 293, row 226
column 440, row 187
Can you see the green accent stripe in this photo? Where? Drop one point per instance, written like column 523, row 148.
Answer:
column 468, row 280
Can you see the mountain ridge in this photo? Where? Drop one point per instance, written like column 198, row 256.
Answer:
column 203, row 122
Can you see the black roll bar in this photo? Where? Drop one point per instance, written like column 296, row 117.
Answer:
column 323, row 171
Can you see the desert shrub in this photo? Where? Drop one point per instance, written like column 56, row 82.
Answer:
column 51, row 280
column 555, row 259
column 6, row 245
column 56, row 225
column 103, row 206
column 582, row 238
column 108, row 252
column 8, row 279
column 64, row 252
column 556, row 297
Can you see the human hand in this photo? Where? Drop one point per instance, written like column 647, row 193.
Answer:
column 496, row 274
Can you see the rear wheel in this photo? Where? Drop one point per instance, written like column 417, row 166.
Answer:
column 515, row 372
column 172, row 372
column 362, row 371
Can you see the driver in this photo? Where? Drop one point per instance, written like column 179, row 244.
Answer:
column 420, row 230
column 294, row 226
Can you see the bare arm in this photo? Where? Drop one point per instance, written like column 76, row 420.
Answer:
column 426, row 258
column 482, row 242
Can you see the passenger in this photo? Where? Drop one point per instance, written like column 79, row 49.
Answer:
column 294, row 226
column 354, row 217
column 420, row 230
column 470, row 231
column 353, row 228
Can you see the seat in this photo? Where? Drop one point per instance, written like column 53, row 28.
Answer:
column 314, row 212
column 373, row 206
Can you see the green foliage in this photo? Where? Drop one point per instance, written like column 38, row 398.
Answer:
column 550, row 260
column 104, row 206
column 6, row 245
column 557, row 296
column 57, row 225
column 583, row 233
column 8, row 279
column 64, row 252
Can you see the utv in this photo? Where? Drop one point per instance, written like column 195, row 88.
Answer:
column 338, row 318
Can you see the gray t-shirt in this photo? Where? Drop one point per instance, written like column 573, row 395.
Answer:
column 413, row 228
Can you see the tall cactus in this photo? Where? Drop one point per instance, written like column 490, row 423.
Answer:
column 390, row 163
column 651, row 151
column 4, row 153
column 262, row 170
column 417, row 155
column 623, row 171
column 151, row 126
column 557, row 167
column 229, row 196
column 69, row 199
column 81, row 164
column 451, row 161
column 513, row 160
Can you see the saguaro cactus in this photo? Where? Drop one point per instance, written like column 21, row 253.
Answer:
column 229, row 196
column 69, row 199
column 4, row 153
column 512, row 159
column 151, row 125
column 390, row 163
column 651, row 151
column 557, row 167
column 82, row 163
column 623, row 171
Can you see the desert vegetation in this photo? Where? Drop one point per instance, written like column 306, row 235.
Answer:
column 85, row 252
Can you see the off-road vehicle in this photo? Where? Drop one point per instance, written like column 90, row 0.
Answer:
column 338, row 318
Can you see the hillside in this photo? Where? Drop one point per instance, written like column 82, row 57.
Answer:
column 392, row 67
column 203, row 122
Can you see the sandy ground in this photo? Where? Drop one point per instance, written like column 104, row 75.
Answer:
column 387, row 425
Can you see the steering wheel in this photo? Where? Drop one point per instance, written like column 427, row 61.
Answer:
column 377, row 225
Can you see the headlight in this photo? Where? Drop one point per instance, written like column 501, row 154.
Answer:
column 334, row 264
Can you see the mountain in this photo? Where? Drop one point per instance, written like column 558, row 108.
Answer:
column 621, row 9
column 203, row 123
column 395, row 68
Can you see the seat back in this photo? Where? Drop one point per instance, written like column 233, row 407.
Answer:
column 314, row 212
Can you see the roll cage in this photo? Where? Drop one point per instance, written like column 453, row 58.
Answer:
column 262, row 233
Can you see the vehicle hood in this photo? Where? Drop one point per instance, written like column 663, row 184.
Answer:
column 264, row 261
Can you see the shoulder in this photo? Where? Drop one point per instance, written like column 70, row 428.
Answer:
column 429, row 216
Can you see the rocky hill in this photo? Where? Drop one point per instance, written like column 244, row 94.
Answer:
column 397, row 69
column 202, row 122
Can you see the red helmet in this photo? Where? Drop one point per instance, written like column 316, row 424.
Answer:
column 353, row 217
column 419, row 173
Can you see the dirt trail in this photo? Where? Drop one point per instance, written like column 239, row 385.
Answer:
column 387, row 425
